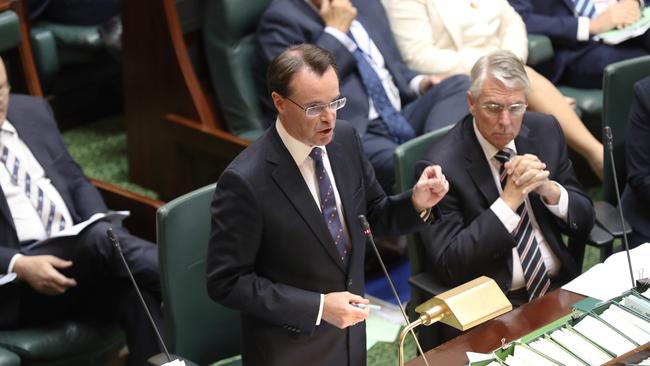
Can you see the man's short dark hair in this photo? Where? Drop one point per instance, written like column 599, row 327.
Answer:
column 292, row 60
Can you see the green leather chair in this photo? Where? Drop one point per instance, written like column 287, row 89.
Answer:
column 229, row 39
column 197, row 328
column 8, row 358
column 423, row 284
column 589, row 102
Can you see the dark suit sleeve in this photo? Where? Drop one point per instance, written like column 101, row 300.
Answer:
column 557, row 27
column 636, row 144
column 232, row 280
column 580, row 216
column 460, row 249
column 280, row 29
column 85, row 197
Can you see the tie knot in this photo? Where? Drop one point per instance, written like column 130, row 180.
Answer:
column 503, row 156
column 316, row 154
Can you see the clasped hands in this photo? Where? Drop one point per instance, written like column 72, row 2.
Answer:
column 618, row 15
column 525, row 174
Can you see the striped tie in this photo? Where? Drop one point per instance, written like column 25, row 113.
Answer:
column 530, row 255
column 52, row 219
column 585, row 8
column 328, row 204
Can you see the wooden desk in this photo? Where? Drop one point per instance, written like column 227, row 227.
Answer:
column 510, row 326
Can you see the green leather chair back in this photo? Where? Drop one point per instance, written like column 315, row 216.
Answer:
column 229, row 38
column 9, row 30
column 406, row 156
column 618, row 93
column 8, row 358
column 197, row 328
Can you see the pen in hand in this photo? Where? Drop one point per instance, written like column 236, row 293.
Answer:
column 363, row 306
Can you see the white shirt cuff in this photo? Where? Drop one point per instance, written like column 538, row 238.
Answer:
column 508, row 217
column 342, row 37
column 12, row 262
column 320, row 309
column 562, row 208
column 415, row 84
column 583, row 29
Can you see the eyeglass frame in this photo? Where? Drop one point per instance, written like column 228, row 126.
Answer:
column 333, row 106
column 496, row 109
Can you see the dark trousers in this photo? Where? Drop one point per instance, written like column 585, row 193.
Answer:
column 104, row 291
column 442, row 105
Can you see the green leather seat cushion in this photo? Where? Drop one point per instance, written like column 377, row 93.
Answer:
column 9, row 29
column 8, row 358
column 61, row 340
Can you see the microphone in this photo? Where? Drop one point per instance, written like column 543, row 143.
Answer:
column 365, row 226
column 156, row 359
column 607, row 131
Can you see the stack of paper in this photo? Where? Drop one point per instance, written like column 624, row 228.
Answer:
column 638, row 304
column 551, row 349
column 604, row 336
column 580, row 347
column 627, row 323
column 635, row 29
column 526, row 357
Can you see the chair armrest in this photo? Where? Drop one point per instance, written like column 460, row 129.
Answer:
column 540, row 49
column 608, row 216
column 426, row 282
column 46, row 56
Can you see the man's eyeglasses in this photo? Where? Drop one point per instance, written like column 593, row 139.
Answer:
column 317, row 110
column 515, row 109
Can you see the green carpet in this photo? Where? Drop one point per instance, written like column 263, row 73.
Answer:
column 100, row 150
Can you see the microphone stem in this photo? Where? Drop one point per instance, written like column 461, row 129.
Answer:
column 392, row 287
column 620, row 212
column 144, row 304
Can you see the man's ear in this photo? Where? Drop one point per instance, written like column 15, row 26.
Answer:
column 471, row 103
column 278, row 101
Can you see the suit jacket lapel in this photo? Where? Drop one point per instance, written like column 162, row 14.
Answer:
column 288, row 178
column 4, row 208
column 477, row 166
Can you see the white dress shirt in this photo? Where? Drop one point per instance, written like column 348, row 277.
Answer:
column 510, row 219
column 300, row 154
column 583, row 22
column 26, row 219
column 376, row 60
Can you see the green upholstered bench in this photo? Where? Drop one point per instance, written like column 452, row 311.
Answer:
column 8, row 358
column 66, row 343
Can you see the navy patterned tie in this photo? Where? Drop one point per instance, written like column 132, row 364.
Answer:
column 585, row 8
column 530, row 255
column 52, row 218
column 398, row 127
column 328, row 203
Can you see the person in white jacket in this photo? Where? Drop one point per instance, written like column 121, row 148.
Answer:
column 442, row 38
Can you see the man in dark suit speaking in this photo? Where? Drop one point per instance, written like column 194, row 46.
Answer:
column 286, row 248
column 387, row 103
column 512, row 193
column 43, row 191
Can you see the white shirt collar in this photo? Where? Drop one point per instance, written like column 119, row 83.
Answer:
column 8, row 127
column 299, row 151
column 488, row 149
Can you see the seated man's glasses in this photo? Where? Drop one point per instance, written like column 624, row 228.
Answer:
column 515, row 109
column 317, row 110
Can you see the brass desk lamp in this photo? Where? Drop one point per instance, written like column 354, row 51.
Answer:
column 460, row 308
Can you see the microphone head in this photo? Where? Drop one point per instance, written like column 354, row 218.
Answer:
column 111, row 235
column 607, row 132
column 364, row 222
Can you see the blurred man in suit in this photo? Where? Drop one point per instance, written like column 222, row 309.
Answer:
column 513, row 190
column 286, row 248
column 387, row 103
column 43, row 191
column 571, row 24
column 636, row 195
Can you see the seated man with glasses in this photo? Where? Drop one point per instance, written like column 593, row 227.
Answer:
column 513, row 192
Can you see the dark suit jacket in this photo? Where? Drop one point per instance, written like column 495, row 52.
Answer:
column 270, row 253
column 470, row 241
column 290, row 22
column 557, row 20
column 636, row 196
column 36, row 126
